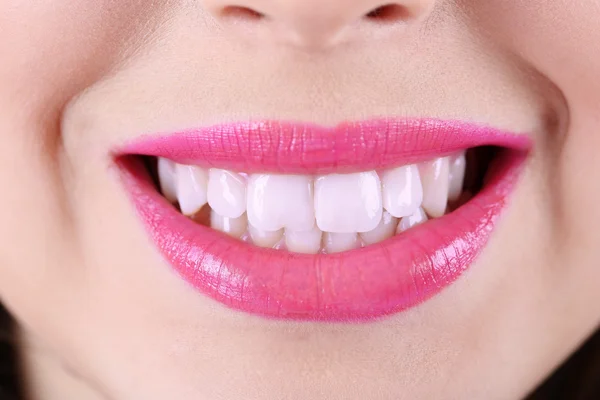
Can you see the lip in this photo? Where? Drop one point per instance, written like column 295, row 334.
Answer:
column 301, row 148
column 358, row 285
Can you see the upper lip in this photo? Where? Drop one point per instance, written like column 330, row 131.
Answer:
column 303, row 148
column 361, row 284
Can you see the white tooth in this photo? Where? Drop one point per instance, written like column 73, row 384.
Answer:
column 458, row 168
column 338, row 242
column 402, row 190
column 412, row 220
column 348, row 203
column 167, row 179
column 191, row 188
column 434, row 177
column 307, row 242
column 281, row 201
column 385, row 230
column 226, row 193
column 264, row 238
column 234, row 227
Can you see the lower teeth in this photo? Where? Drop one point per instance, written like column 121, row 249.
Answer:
column 307, row 242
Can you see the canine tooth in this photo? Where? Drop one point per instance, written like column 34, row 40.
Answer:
column 264, row 238
column 281, row 201
column 458, row 168
column 167, row 179
column 307, row 242
column 234, row 227
column 226, row 193
column 348, row 203
column 338, row 242
column 385, row 230
column 412, row 220
column 434, row 177
column 402, row 190
column 191, row 188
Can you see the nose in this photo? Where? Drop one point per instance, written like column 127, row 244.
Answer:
column 312, row 24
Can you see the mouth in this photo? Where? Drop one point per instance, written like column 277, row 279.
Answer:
column 297, row 221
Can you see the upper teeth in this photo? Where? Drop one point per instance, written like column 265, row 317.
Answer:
column 348, row 203
column 402, row 190
column 295, row 210
column 458, row 168
column 191, row 185
column 435, row 180
column 281, row 201
column 166, row 176
column 226, row 193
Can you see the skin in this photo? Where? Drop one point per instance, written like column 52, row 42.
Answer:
column 101, row 316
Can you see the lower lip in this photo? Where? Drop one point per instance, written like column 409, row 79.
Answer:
column 358, row 285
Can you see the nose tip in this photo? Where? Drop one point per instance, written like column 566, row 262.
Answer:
column 314, row 24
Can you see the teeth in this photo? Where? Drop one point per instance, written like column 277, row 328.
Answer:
column 281, row 201
column 385, row 230
column 191, row 188
column 234, row 227
column 307, row 242
column 412, row 220
column 435, row 180
column 226, row 193
column 264, row 238
column 329, row 214
column 167, row 178
column 458, row 167
column 348, row 203
column 402, row 190
column 339, row 242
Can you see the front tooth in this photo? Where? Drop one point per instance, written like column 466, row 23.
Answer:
column 226, row 193
column 402, row 190
column 234, row 227
column 281, row 201
column 434, row 177
column 262, row 238
column 338, row 242
column 385, row 230
column 412, row 220
column 458, row 168
column 167, row 178
column 192, row 185
column 306, row 242
column 348, row 203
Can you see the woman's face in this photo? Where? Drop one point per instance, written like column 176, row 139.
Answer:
column 97, row 299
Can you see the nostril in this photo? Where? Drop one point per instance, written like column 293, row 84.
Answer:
column 242, row 13
column 388, row 13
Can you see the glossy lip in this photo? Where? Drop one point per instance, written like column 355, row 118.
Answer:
column 358, row 285
column 301, row 148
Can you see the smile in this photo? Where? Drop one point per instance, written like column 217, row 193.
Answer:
column 298, row 221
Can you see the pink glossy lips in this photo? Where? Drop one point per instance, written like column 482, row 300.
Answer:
column 362, row 284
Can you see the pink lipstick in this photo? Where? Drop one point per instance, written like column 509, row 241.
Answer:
column 356, row 285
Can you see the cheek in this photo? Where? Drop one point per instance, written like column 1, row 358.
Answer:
column 56, row 49
column 561, row 40
column 59, row 47
column 558, row 38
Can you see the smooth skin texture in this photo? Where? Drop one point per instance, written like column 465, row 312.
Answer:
column 102, row 317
